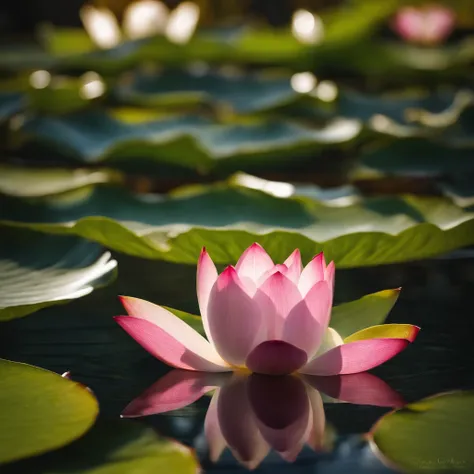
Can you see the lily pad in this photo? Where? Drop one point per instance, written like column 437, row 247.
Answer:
column 243, row 93
column 432, row 435
column 417, row 157
column 114, row 447
column 187, row 141
column 29, row 182
column 227, row 218
column 10, row 104
column 38, row 270
column 40, row 411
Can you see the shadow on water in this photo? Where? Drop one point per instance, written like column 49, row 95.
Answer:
column 82, row 337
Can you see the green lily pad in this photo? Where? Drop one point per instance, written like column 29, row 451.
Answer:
column 40, row 182
column 432, row 435
column 417, row 157
column 115, row 447
column 40, row 411
column 243, row 93
column 420, row 109
column 186, row 141
column 227, row 218
column 38, row 270
column 10, row 104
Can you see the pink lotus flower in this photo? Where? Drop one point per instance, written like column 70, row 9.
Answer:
column 431, row 24
column 267, row 318
column 251, row 414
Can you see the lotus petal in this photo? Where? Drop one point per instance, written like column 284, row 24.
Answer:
column 355, row 357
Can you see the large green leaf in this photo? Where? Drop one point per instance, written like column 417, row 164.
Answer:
column 226, row 218
column 370, row 310
column 433, row 435
column 114, row 447
column 39, row 182
column 38, row 270
column 186, row 141
column 40, row 411
column 242, row 93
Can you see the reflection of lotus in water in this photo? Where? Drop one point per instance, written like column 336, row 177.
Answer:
column 252, row 414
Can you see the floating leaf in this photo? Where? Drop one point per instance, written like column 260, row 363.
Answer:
column 38, row 270
column 31, row 183
column 40, row 411
column 417, row 157
column 432, row 435
column 114, row 447
column 228, row 218
column 370, row 310
column 10, row 104
column 243, row 93
column 186, row 141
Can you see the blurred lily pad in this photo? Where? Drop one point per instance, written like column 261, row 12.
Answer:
column 10, row 104
column 437, row 110
column 187, row 141
column 243, row 93
column 38, row 270
column 40, row 411
column 227, row 218
column 114, row 447
column 30, row 182
column 416, row 157
column 432, row 435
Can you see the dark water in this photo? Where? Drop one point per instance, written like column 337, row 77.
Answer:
column 82, row 337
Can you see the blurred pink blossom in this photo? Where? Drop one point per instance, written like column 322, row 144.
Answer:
column 429, row 25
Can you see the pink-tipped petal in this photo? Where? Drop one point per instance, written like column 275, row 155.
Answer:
column 234, row 319
column 173, row 326
column 330, row 274
column 175, row 390
column 281, row 409
column 276, row 297
column 206, row 276
column 253, row 263
column 294, row 265
column 355, row 357
column 212, row 430
column 312, row 274
column 276, row 358
column 165, row 347
column 359, row 389
column 307, row 322
column 238, row 425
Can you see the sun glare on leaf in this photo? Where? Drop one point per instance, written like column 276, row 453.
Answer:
column 145, row 18
column 40, row 79
column 182, row 22
column 93, row 86
column 101, row 25
column 303, row 82
column 307, row 27
column 326, row 91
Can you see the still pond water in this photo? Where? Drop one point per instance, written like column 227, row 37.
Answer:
column 82, row 337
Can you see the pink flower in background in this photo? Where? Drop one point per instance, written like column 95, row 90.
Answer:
column 251, row 414
column 429, row 25
column 270, row 319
